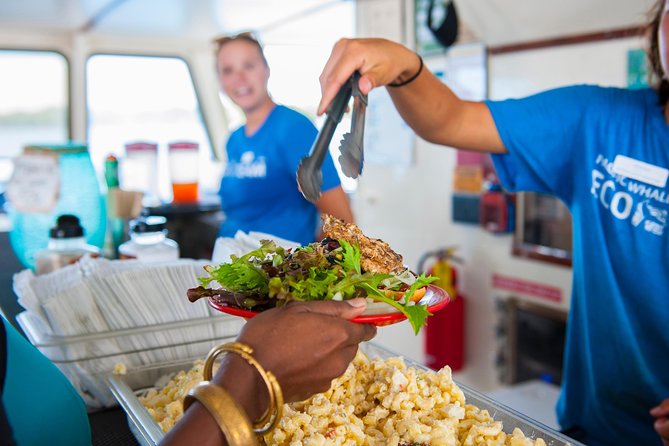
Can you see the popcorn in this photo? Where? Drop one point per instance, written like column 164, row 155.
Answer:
column 165, row 405
column 384, row 402
column 374, row 403
column 120, row 369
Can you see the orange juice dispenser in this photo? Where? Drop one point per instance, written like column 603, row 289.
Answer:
column 183, row 161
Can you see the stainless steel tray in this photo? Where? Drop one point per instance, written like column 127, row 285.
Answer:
column 148, row 433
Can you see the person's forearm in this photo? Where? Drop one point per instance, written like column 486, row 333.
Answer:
column 437, row 115
column 426, row 104
column 334, row 202
column 197, row 426
column 243, row 384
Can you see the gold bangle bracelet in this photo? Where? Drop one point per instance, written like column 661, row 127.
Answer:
column 271, row 417
column 229, row 415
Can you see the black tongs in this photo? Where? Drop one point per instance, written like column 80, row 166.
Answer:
column 309, row 174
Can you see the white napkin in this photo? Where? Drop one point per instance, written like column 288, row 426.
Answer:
column 95, row 313
column 242, row 243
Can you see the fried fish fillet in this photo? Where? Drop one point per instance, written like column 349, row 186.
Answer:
column 376, row 255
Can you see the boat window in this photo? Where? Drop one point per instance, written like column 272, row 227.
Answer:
column 34, row 108
column 145, row 99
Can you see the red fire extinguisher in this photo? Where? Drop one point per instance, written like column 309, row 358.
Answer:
column 445, row 330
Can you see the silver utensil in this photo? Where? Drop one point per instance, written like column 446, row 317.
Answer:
column 309, row 175
column 351, row 146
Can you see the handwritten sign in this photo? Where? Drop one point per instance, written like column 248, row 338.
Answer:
column 35, row 183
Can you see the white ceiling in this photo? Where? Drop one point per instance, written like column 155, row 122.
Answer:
column 502, row 22
column 495, row 22
column 187, row 18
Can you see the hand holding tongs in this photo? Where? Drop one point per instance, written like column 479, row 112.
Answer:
column 309, row 175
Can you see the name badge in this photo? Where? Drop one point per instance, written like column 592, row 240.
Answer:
column 640, row 171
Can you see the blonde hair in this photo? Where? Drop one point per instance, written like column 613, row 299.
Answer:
column 246, row 36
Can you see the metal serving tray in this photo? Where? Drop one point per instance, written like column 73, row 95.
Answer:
column 126, row 387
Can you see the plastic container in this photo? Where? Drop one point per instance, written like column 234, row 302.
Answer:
column 184, row 158
column 79, row 194
column 140, row 171
column 148, row 241
column 66, row 245
column 87, row 359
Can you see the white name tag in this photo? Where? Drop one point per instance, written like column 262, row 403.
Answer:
column 640, row 171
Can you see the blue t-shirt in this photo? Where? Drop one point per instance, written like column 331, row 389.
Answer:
column 259, row 189
column 564, row 142
column 41, row 405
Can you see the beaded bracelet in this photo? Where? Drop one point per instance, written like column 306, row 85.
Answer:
column 229, row 415
column 271, row 417
column 412, row 78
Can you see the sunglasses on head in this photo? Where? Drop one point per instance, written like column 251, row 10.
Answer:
column 247, row 36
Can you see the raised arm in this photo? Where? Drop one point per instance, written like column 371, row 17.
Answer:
column 432, row 110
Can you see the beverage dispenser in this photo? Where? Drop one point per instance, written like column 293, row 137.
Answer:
column 49, row 181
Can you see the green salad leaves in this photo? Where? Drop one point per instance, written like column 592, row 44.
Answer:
column 272, row 276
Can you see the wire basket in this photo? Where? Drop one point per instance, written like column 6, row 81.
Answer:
column 86, row 359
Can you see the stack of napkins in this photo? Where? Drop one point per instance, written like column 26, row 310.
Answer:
column 90, row 316
column 96, row 294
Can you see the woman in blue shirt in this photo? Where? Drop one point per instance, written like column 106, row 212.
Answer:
column 605, row 153
column 259, row 189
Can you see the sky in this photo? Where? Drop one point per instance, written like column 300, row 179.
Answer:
column 38, row 81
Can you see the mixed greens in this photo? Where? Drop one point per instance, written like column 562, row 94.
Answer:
column 330, row 270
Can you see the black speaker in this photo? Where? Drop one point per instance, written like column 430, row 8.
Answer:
column 446, row 33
